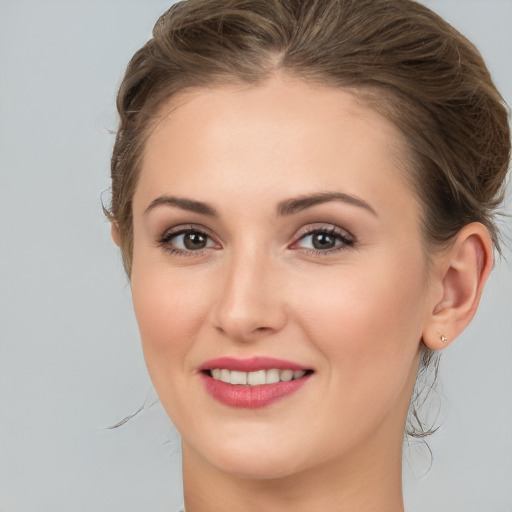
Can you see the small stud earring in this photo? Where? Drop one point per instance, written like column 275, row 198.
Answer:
column 444, row 339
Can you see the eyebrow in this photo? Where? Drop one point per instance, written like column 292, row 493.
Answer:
column 291, row 206
column 185, row 204
column 284, row 208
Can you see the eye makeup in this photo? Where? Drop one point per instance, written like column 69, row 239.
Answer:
column 187, row 241
column 315, row 240
column 323, row 240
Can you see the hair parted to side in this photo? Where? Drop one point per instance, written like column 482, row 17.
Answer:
column 403, row 59
column 396, row 56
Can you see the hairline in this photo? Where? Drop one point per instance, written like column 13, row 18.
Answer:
column 367, row 96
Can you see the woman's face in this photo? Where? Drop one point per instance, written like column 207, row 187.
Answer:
column 274, row 238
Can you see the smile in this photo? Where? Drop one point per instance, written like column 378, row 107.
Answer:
column 257, row 378
column 252, row 383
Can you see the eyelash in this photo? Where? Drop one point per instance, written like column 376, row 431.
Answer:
column 168, row 236
column 343, row 236
column 337, row 234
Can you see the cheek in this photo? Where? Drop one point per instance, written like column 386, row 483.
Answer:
column 366, row 304
column 169, row 313
column 368, row 326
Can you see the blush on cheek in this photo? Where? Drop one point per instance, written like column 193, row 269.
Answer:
column 169, row 314
column 154, row 313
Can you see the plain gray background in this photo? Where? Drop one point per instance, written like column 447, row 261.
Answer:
column 70, row 358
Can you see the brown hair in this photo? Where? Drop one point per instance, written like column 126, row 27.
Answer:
column 396, row 55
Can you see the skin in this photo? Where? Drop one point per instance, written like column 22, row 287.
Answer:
column 356, row 315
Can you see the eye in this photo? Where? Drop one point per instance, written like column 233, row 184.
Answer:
column 325, row 240
column 185, row 241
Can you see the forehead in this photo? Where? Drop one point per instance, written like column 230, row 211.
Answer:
column 276, row 139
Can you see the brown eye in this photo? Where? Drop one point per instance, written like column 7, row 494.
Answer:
column 187, row 241
column 194, row 241
column 323, row 241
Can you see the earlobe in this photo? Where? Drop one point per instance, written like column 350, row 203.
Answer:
column 462, row 273
column 115, row 232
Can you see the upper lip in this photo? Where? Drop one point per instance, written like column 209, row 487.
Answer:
column 252, row 364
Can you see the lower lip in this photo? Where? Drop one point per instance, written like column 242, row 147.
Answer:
column 251, row 397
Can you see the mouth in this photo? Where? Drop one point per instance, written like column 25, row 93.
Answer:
column 252, row 383
column 256, row 378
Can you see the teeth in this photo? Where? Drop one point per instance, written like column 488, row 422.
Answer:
column 238, row 377
column 272, row 376
column 286, row 375
column 257, row 378
column 225, row 376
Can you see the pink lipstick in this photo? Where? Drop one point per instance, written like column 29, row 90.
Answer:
column 252, row 383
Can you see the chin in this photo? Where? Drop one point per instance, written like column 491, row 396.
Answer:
column 256, row 466
column 252, row 457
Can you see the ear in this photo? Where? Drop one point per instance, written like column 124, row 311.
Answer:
column 460, row 275
column 115, row 232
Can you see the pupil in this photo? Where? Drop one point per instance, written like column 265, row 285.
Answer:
column 323, row 241
column 194, row 241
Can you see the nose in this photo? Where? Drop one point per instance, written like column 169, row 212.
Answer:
column 250, row 304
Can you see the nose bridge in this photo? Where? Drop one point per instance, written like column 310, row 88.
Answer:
column 249, row 303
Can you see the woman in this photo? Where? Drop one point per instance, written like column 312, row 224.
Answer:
column 303, row 193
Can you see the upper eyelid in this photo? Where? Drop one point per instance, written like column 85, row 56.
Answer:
column 321, row 227
column 186, row 228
